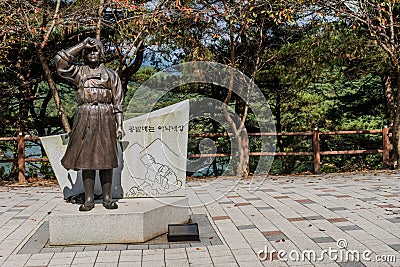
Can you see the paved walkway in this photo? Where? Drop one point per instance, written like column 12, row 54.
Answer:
column 326, row 220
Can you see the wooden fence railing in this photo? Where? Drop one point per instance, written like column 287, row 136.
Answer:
column 21, row 159
column 316, row 152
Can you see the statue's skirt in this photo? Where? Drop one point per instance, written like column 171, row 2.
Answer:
column 92, row 142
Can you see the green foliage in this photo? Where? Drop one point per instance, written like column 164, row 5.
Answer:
column 314, row 72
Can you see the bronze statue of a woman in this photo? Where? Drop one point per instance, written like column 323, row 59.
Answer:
column 97, row 121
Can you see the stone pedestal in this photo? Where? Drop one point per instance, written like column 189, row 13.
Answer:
column 136, row 220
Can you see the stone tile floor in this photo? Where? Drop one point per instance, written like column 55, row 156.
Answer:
column 350, row 219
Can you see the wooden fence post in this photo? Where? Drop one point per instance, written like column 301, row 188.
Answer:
column 21, row 158
column 316, row 151
column 386, row 147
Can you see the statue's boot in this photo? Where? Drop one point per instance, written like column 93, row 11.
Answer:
column 88, row 177
column 106, row 185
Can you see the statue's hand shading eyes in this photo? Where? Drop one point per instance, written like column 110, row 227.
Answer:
column 89, row 43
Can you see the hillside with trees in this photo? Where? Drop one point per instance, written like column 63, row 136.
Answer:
column 329, row 65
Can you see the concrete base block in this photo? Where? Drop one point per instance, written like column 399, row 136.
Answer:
column 136, row 220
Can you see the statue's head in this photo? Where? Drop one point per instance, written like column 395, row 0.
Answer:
column 95, row 54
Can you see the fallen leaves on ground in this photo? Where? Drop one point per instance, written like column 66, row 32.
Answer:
column 32, row 182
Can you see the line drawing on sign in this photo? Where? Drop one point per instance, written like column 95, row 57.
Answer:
column 162, row 143
column 159, row 177
column 159, row 180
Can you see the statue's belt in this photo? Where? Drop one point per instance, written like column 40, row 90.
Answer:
column 95, row 104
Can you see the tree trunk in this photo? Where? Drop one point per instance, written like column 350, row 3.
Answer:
column 396, row 127
column 214, row 163
column 99, row 14
column 23, row 106
column 388, row 91
column 243, row 154
column 24, row 94
column 42, row 113
column 242, row 138
column 279, row 139
column 53, row 88
column 126, row 74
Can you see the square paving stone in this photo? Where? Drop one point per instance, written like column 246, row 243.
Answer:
column 253, row 198
column 268, row 190
column 365, row 199
column 264, row 208
column 95, row 248
column 242, row 204
column 394, row 220
column 390, row 206
column 274, row 235
column 245, row 227
column 337, row 208
column 201, row 244
column 20, row 217
column 51, row 250
column 324, row 239
column 37, row 241
column 334, row 220
column 134, row 247
column 351, row 264
column 391, row 195
column 160, row 246
column 15, row 210
column 297, row 219
column 73, row 249
column 219, row 218
column 305, row 201
column 115, row 247
column 215, row 242
column 350, row 227
column 314, row 218
column 179, row 245
column 395, row 247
